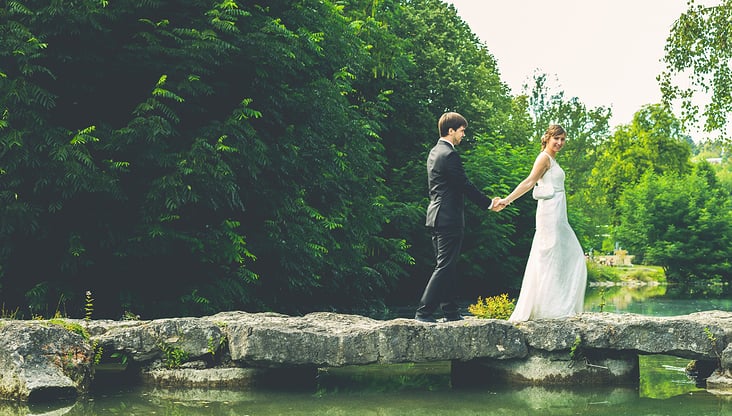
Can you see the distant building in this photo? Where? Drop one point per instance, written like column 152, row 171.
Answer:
column 715, row 160
column 620, row 258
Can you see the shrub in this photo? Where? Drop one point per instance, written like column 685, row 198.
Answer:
column 495, row 307
column 600, row 273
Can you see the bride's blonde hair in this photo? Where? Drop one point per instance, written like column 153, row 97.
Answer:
column 552, row 131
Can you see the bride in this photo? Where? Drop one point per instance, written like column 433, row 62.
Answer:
column 556, row 272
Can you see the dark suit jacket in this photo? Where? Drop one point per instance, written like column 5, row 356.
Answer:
column 448, row 187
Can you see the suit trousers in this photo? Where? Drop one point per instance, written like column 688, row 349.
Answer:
column 441, row 288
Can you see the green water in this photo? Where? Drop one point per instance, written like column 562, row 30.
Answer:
column 525, row 401
column 411, row 389
column 658, row 300
column 425, row 389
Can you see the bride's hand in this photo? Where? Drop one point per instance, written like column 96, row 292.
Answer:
column 498, row 204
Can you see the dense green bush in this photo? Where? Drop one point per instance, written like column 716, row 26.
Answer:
column 188, row 157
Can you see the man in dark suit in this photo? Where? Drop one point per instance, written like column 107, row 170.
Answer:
column 448, row 185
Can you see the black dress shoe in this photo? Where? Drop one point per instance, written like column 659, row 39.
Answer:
column 427, row 319
column 453, row 318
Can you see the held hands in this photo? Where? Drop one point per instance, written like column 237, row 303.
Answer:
column 499, row 204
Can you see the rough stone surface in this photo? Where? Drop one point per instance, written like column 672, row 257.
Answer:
column 697, row 336
column 144, row 341
column 42, row 361
column 726, row 357
column 207, row 377
column 720, row 382
column 329, row 339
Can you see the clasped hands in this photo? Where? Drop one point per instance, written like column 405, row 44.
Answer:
column 499, row 204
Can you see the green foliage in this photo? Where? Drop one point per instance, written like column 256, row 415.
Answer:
column 435, row 63
column 653, row 142
column 224, row 150
column 659, row 379
column 697, row 61
column 121, row 356
column 600, row 273
column 71, row 326
column 98, row 352
column 716, row 150
column 173, row 356
column 233, row 155
column 493, row 307
column 88, row 305
column 683, row 224
column 575, row 351
column 39, row 297
column 644, row 274
column 713, row 343
column 608, row 245
column 483, row 254
column 9, row 314
column 637, row 273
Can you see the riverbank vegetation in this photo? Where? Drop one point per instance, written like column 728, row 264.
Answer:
column 637, row 274
column 186, row 158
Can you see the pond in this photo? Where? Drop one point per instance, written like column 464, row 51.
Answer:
column 658, row 300
column 425, row 389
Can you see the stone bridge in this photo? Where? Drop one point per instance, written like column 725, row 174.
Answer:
column 41, row 360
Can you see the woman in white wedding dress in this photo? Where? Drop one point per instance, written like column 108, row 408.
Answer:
column 556, row 273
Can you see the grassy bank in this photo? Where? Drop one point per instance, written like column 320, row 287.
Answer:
column 597, row 273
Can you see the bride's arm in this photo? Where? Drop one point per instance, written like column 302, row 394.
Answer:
column 541, row 165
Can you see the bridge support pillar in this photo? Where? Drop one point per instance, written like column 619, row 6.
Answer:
column 596, row 367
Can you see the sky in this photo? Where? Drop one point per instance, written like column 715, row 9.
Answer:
column 604, row 52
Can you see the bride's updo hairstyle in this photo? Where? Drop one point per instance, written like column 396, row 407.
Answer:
column 553, row 130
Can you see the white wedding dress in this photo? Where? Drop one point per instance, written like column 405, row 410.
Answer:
column 556, row 272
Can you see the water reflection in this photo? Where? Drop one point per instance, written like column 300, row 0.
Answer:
column 663, row 377
column 534, row 400
column 658, row 300
column 409, row 389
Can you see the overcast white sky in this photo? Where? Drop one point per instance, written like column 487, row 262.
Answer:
column 605, row 52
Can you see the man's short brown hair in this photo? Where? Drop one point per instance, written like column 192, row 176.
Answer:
column 449, row 121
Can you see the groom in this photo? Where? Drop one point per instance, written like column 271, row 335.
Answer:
column 448, row 185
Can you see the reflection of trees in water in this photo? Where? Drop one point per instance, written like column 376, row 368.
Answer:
column 508, row 401
column 661, row 300
column 619, row 297
column 560, row 400
column 433, row 376
column 696, row 291
column 664, row 376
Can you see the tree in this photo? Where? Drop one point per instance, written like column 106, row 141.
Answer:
column 491, row 266
column 719, row 150
column 186, row 158
column 653, row 142
column 698, row 64
column 680, row 222
column 429, row 62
